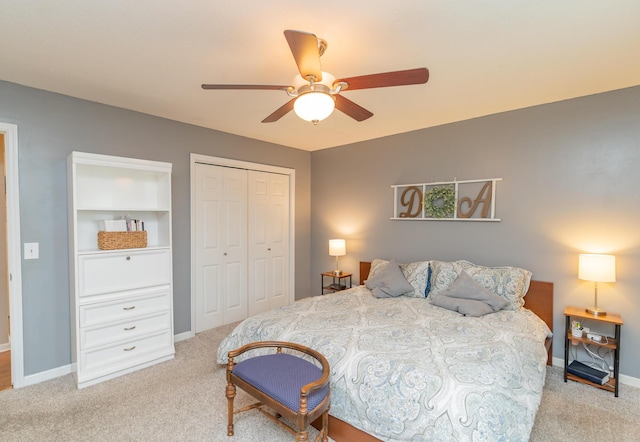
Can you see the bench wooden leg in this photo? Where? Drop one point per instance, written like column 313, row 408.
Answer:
column 231, row 394
column 302, row 436
column 325, row 426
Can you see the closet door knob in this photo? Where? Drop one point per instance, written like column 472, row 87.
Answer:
column 225, row 253
column 128, row 258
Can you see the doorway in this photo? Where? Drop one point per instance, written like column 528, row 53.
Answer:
column 11, row 270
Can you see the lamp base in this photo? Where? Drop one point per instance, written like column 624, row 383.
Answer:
column 596, row 311
column 337, row 272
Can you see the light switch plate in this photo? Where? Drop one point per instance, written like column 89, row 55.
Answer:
column 31, row 250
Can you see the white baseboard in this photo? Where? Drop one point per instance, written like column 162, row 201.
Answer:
column 5, row 347
column 70, row 368
column 624, row 379
column 183, row 336
column 47, row 375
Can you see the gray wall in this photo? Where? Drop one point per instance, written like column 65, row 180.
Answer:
column 50, row 126
column 571, row 180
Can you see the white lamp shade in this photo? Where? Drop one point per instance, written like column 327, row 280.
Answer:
column 598, row 268
column 337, row 247
column 314, row 106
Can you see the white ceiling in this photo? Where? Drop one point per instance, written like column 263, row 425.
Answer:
column 484, row 57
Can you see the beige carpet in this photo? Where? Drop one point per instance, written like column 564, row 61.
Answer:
column 576, row 412
column 183, row 400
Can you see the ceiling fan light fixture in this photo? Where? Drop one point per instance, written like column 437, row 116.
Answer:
column 314, row 105
column 314, row 94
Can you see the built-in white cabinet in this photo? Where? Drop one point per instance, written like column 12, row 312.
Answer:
column 121, row 299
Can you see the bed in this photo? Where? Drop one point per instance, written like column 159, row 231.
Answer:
column 403, row 369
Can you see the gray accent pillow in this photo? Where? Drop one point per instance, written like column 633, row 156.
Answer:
column 389, row 282
column 468, row 297
column 468, row 307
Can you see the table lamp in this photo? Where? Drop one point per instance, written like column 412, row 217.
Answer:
column 597, row 268
column 337, row 247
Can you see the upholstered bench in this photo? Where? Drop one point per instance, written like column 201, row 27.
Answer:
column 294, row 388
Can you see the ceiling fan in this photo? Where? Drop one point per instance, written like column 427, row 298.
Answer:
column 316, row 93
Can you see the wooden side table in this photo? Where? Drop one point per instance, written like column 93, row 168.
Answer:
column 336, row 282
column 612, row 343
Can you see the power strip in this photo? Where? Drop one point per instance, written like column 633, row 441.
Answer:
column 594, row 337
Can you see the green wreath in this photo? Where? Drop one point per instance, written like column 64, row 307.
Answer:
column 440, row 202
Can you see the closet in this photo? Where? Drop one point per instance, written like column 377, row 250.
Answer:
column 241, row 243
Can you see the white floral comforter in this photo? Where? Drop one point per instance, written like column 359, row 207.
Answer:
column 405, row 370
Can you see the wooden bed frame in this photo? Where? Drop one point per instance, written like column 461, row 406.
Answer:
column 539, row 299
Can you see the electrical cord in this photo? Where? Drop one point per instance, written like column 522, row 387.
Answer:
column 594, row 358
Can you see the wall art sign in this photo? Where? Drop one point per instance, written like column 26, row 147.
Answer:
column 469, row 200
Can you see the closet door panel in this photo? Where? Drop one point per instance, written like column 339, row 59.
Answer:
column 221, row 246
column 279, row 239
column 279, row 296
column 208, row 273
column 211, row 292
column 258, row 280
column 210, row 232
column 234, row 293
column 234, row 239
column 208, row 214
column 268, row 240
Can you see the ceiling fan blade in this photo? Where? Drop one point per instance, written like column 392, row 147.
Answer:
column 355, row 111
column 304, row 47
column 246, row 86
column 397, row 78
column 280, row 112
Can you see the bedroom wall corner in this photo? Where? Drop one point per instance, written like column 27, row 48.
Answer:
column 570, row 186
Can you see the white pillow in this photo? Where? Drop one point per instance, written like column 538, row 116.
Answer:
column 417, row 273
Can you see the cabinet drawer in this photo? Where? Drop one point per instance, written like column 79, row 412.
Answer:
column 112, row 272
column 125, row 308
column 102, row 361
column 123, row 331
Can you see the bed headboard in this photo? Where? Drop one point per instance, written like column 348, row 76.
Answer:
column 539, row 299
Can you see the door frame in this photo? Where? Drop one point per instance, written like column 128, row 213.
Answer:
column 14, row 256
column 227, row 162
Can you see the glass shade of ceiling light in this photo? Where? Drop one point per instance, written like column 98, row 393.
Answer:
column 314, row 102
column 315, row 105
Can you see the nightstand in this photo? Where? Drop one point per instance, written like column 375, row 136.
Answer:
column 610, row 343
column 336, row 281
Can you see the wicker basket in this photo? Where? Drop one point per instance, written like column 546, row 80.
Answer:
column 121, row 240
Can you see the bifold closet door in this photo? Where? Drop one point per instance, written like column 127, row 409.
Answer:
column 221, row 246
column 268, row 237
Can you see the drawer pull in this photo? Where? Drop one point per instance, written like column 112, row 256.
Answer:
column 129, row 308
column 130, row 328
column 130, row 348
column 128, row 258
